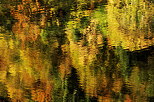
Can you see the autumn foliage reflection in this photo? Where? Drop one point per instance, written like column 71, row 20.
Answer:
column 77, row 51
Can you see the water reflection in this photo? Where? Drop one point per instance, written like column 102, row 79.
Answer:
column 76, row 51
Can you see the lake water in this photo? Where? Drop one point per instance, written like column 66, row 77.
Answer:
column 76, row 51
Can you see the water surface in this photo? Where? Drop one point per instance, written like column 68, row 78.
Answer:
column 76, row 51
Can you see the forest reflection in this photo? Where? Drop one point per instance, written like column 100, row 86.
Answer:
column 76, row 51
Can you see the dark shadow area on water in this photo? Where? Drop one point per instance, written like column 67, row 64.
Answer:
column 75, row 92
column 3, row 99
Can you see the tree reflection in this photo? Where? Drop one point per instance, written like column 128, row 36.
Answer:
column 76, row 50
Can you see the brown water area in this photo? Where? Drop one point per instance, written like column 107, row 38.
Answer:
column 76, row 51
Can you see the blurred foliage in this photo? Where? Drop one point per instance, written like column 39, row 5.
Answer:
column 76, row 50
